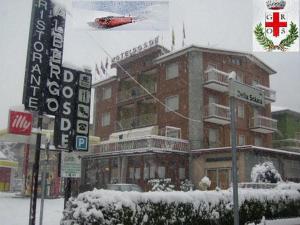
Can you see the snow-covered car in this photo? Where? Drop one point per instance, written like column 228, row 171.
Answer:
column 257, row 185
column 124, row 187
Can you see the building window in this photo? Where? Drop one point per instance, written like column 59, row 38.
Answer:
column 105, row 119
column 181, row 173
column 173, row 132
column 172, row 103
column 172, row 71
column 211, row 66
column 242, row 140
column 213, row 136
column 241, row 111
column 161, row 172
column 106, row 93
column 258, row 141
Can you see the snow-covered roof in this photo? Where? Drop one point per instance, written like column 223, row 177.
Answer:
column 104, row 81
column 193, row 47
column 246, row 147
column 285, row 111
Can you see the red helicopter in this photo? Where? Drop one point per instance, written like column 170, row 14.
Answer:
column 113, row 21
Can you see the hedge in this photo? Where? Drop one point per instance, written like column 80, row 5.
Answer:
column 179, row 208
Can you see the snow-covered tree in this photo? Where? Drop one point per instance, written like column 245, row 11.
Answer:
column 205, row 183
column 186, row 185
column 265, row 173
column 161, row 184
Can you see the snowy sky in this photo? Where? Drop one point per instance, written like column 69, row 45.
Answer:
column 215, row 23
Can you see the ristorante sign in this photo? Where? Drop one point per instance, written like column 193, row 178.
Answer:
column 37, row 65
column 136, row 50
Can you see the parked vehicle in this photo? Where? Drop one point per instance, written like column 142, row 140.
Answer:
column 124, row 187
column 257, row 185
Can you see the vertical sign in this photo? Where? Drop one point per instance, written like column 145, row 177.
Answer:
column 64, row 121
column 83, row 111
column 37, row 64
column 56, row 54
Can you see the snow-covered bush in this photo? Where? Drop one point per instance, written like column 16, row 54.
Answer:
column 186, row 185
column 179, row 208
column 161, row 184
column 204, row 183
column 265, row 173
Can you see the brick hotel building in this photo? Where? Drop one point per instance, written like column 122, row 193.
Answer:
column 142, row 139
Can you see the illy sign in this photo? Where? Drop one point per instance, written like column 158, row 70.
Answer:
column 20, row 123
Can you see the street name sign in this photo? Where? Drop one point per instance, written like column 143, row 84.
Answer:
column 246, row 93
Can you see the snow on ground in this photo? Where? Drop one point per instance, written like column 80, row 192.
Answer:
column 291, row 221
column 15, row 211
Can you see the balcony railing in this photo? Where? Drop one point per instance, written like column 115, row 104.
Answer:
column 216, row 113
column 143, row 144
column 136, row 122
column 135, row 92
column 216, row 80
column 270, row 95
column 287, row 144
column 263, row 124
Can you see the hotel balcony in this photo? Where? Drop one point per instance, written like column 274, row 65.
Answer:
column 135, row 92
column 215, row 113
column 149, row 143
column 262, row 124
column 136, row 122
column 216, row 80
column 270, row 95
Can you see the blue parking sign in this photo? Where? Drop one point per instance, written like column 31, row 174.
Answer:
column 81, row 143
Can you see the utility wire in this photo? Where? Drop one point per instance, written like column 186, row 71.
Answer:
column 132, row 78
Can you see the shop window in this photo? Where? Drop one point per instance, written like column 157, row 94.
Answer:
column 172, row 71
column 172, row 103
column 152, row 172
column 181, row 173
column 137, row 174
column 161, row 172
column 131, row 173
column 146, row 173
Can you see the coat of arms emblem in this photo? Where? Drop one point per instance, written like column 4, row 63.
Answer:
column 277, row 32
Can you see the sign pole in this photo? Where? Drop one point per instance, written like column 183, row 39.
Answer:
column 234, row 158
column 35, row 170
column 68, row 187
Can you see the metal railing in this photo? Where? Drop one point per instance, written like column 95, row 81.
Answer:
column 136, row 122
column 269, row 93
column 215, row 75
column 263, row 122
column 216, row 110
column 146, row 143
column 136, row 92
